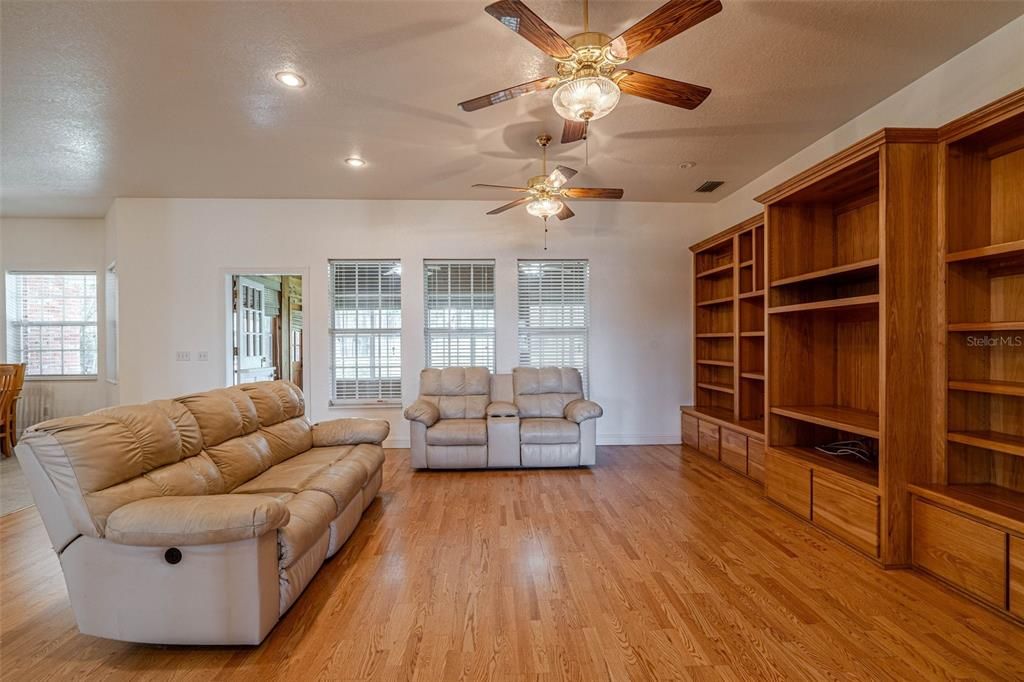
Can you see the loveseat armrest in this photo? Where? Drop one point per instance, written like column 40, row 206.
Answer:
column 424, row 412
column 195, row 520
column 581, row 410
column 350, row 431
column 500, row 408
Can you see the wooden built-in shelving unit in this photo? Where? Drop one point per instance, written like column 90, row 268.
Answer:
column 850, row 347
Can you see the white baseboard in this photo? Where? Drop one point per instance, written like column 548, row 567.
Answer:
column 606, row 439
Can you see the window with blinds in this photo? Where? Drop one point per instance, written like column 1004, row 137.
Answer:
column 366, row 331
column 554, row 314
column 51, row 323
column 459, row 313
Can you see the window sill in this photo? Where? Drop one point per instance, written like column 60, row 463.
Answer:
column 58, row 377
column 364, row 406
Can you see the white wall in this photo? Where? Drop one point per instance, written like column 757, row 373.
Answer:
column 56, row 244
column 173, row 255
column 984, row 72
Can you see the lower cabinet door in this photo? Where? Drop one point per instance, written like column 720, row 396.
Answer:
column 734, row 450
column 755, row 459
column 708, row 438
column 846, row 509
column 962, row 551
column 788, row 482
column 1017, row 577
column 690, row 431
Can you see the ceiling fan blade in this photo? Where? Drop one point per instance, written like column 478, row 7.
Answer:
column 559, row 177
column 664, row 90
column 565, row 213
column 508, row 93
column 592, row 193
column 667, row 21
column 514, row 189
column 511, row 204
column 521, row 19
column 574, row 131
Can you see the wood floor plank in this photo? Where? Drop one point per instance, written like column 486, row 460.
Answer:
column 657, row 564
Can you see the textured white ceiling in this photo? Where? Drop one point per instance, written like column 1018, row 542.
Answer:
column 177, row 99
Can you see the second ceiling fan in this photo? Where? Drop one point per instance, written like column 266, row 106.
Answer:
column 589, row 79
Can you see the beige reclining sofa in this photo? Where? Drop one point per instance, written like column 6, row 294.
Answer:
column 198, row 520
column 467, row 418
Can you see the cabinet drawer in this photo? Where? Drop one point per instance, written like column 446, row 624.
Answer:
column 755, row 459
column 846, row 509
column 966, row 553
column 1017, row 577
column 788, row 482
column 690, row 431
column 734, row 450
column 708, row 438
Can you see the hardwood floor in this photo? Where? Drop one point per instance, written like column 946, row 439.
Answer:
column 652, row 565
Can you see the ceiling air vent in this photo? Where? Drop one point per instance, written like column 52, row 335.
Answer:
column 710, row 185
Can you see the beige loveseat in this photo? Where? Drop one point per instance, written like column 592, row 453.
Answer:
column 198, row 520
column 467, row 418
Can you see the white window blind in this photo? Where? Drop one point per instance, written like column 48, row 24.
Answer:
column 459, row 313
column 51, row 323
column 366, row 331
column 554, row 314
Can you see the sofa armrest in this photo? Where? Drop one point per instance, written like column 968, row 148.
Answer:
column 581, row 410
column 500, row 408
column 424, row 412
column 195, row 520
column 350, row 431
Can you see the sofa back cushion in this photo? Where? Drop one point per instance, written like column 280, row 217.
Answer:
column 458, row 392
column 200, row 444
column 545, row 391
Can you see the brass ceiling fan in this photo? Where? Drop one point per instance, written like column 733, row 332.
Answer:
column 589, row 79
column 545, row 194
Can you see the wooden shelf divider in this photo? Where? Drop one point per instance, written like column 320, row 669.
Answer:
column 990, row 440
column 837, row 304
column 990, row 252
column 841, row 418
column 858, row 268
column 991, row 387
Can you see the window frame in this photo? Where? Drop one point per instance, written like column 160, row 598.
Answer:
column 15, row 325
column 376, row 333
column 525, row 332
column 454, row 332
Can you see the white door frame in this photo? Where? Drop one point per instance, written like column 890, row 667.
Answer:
column 227, row 326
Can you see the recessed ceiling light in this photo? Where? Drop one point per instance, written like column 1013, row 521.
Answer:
column 355, row 162
column 688, row 164
column 291, row 79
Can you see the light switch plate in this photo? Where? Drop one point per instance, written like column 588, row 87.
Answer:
column 183, row 356
column 203, row 356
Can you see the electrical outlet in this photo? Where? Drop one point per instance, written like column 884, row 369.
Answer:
column 183, row 356
column 203, row 356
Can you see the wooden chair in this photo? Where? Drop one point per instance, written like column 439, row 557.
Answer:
column 12, row 379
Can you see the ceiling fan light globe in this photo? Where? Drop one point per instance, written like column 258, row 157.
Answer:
column 586, row 99
column 544, row 208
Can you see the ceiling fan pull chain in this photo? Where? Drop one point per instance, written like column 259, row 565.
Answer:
column 586, row 16
column 545, row 234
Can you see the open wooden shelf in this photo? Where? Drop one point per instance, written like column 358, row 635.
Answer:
column 988, row 386
column 756, row 293
column 752, row 334
column 986, row 326
column 753, row 376
column 721, row 388
column 716, row 301
column 993, row 503
column 990, row 252
column 722, row 417
column 715, row 335
column 838, row 304
column 747, row 263
column 838, row 272
column 842, row 418
column 990, row 440
column 862, row 472
column 720, row 270
column 716, row 363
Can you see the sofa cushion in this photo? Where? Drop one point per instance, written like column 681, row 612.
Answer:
column 458, row 432
column 241, row 459
column 458, row 392
column 222, row 414
column 291, row 475
column 352, row 431
column 311, row 512
column 343, row 481
column 275, row 401
column 545, row 391
column 546, row 430
column 195, row 520
column 287, row 438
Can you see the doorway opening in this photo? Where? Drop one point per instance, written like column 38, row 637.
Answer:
column 267, row 328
